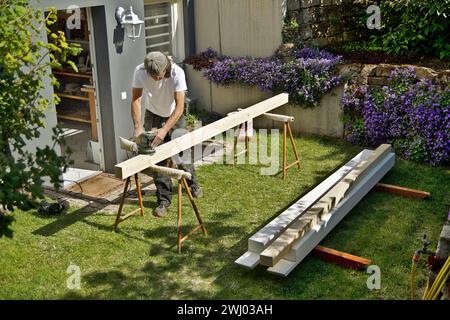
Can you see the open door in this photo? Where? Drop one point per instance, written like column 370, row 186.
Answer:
column 77, row 111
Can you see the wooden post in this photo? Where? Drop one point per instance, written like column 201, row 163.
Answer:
column 122, row 200
column 92, row 113
column 179, row 216
column 194, row 206
column 284, row 149
column 138, row 189
column 247, row 141
column 293, row 145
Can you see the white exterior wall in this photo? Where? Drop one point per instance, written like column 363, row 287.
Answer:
column 239, row 27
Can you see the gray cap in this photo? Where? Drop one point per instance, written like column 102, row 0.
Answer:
column 155, row 63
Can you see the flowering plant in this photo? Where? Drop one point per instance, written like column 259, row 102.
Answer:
column 412, row 115
column 306, row 77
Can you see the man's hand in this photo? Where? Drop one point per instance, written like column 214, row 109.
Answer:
column 160, row 135
column 137, row 134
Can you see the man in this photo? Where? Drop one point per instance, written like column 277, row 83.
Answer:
column 159, row 85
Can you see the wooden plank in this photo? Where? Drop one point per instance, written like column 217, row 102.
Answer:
column 302, row 247
column 74, row 118
column 70, row 96
column 340, row 258
column 73, row 74
column 262, row 239
column 279, row 117
column 173, row 147
column 401, row 191
column 274, row 253
column 248, row 260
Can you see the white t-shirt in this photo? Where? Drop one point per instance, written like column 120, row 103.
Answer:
column 158, row 96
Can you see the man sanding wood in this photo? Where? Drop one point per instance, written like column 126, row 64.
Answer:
column 159, row 86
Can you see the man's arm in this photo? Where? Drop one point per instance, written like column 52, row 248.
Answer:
column 136, row 112
column 174, row 117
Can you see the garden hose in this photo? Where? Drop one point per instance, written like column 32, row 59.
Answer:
column 439, row 282
column 426, row 291
column 415, row 261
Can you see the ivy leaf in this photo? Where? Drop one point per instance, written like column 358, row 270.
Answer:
column 73, row 65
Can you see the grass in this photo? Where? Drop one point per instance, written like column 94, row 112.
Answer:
column 141, row 261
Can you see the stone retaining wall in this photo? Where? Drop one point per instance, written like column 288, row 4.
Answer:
column 325, row 22
column 376, row 75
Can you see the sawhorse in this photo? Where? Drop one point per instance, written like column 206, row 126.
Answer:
column 286, row 128
column 181, row 177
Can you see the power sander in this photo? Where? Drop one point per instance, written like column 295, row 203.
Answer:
column 145, row 143
column 143, row 147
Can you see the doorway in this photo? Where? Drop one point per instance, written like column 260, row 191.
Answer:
column 77, row 110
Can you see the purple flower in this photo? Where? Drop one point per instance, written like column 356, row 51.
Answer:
column 413, row 116
column 306, row 78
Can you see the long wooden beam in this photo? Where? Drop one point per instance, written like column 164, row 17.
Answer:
column 135, row 165
column 401, row 191
column 340, row 258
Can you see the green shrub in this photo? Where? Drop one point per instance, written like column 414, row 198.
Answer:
column 418, row 26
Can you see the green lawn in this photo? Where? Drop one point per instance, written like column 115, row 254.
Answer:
column 141, row 261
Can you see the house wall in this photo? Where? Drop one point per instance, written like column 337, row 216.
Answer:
column 234, row 28
column 115, row 72
column 239, row 28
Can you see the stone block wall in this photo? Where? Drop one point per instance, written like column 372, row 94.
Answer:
column 376, row 75
column 325, row 22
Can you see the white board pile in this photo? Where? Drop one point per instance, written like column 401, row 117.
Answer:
column 285, row 241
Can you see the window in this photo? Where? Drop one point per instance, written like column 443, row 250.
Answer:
column 164, row 28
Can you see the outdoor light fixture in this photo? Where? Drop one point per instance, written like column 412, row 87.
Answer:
column 130, row 21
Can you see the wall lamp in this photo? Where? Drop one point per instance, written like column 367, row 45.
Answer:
column 130, row 21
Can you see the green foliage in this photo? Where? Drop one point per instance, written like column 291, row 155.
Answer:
column 25, row 69
column 360, row 46
column 290, row 31
column 419, row 26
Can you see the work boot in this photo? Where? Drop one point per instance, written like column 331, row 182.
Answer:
column 161, row 210
column 196, row 191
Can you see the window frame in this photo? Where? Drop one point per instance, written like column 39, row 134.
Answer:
column 177, row 27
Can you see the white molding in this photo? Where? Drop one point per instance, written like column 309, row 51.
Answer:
column 305, row 245
column 262, row 238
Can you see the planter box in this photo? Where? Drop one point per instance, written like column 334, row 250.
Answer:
column 324, row 119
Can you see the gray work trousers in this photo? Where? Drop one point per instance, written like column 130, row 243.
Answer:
column 164, row 183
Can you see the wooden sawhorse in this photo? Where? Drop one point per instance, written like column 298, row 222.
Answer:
column 119, row 217
column 286, row 128
column 181, row 177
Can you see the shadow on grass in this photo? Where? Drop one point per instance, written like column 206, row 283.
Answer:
column 165, row 274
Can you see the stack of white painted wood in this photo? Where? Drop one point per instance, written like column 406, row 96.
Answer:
column 285, row 241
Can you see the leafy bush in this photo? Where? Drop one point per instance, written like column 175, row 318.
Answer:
column 306, row 77
column 24, row 68
column 290, row 31
column 413, row 116
column 419, row 26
